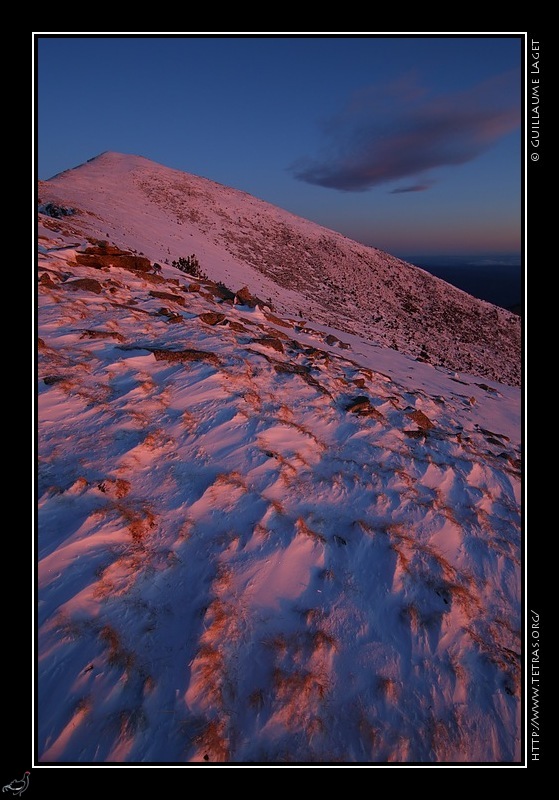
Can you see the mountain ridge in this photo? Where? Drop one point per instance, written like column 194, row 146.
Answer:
column 301, row 266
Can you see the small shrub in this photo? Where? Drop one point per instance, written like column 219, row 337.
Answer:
column 189, row 265
column 55, row 211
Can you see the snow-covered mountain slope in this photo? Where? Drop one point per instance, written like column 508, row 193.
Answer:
column 303, row 267
column 261, row 539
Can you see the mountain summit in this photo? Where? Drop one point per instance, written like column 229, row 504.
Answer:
column 302, row 267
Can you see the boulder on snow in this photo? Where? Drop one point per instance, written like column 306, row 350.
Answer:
column 220, row 291
column 245, row 298
column 88, row 333
column 184, row 356
column 212, row 318
column 362, row 406
column 237, row 326
column 105, row 255
column 152, row 277
column 422, row 421
column 117, row 488
column 172, row 317
column 419, row 434
column 278, row 321
column 174, row 298
column 87, row 284
column 270, row 341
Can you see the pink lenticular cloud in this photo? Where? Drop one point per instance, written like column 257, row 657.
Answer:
column 399, row 131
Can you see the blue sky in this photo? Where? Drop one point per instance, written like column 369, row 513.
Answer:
column 410, row 144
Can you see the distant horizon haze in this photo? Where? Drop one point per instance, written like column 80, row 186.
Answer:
column 492, row 278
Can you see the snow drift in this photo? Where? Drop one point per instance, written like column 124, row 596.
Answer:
column 262, row 538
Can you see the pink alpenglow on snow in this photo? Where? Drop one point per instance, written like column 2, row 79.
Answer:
column 267, row 535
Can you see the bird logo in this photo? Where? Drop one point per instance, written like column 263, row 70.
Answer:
column 17, row 787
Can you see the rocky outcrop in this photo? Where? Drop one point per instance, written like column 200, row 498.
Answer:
column 105, row 255
column 245, row 298
column 212, row 318
column 169, row 297
column 86, row 284
column 363, row 407
column 184, row 356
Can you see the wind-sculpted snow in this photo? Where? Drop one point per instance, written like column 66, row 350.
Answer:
column 262, row 540
column 304, row 268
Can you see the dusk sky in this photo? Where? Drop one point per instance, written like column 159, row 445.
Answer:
column 410, row 144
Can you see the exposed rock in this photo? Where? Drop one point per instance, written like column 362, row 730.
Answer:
column 91, row 334
column 237, row 326
column 152, row 277
column 193, row 287
column 184, row 356
column 492, row 433
column 487, row 388
column 416, row 434
column 87, row 284
column 102, row 247
column 109, row 256
column 362, row 406
column 52, row 379
column 212, row 318
column 207, row 296
column 317, row 355
column 267, row 331
column 219, row 290
column 292, row 369
column 173, row 298
column 117, row 488
column 172, row 317
column 423, row 422
column 270, row 341
column 277, row 321
column 46, row 280
column 246, row 298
